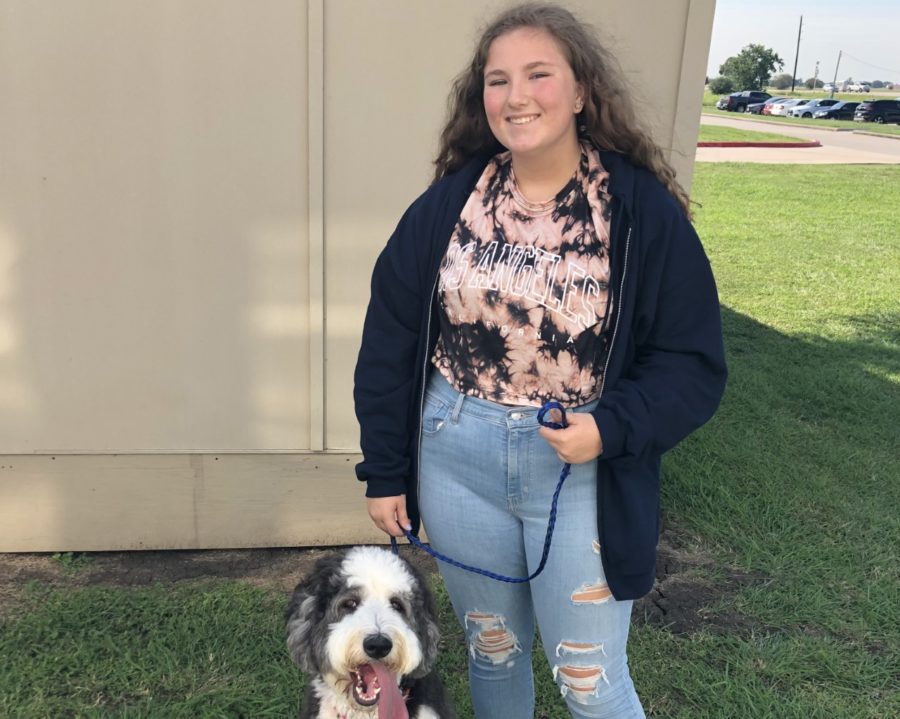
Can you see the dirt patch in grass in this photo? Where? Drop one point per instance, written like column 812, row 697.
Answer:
column 280, row 569
column 687, row 596
column 691, row 592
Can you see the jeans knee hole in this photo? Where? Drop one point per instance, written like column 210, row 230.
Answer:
column 491, row 641
column 581, row 683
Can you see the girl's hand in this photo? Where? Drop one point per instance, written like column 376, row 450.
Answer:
column 389, row 514
column 579, row 442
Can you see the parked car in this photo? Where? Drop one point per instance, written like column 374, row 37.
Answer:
column 841, row 111
column 858, row 87
column 880, row 111
column 759, row 108
column 738, row 101
column 830, row 88
column 767, row 109
column 811, row 106
column 784, row 107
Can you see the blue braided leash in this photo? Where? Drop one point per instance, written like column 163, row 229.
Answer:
column 548, row 538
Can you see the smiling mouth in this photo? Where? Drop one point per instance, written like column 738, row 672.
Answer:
column 364, row 685
column 523, row 120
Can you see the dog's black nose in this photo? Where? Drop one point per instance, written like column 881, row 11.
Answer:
column 377, row 646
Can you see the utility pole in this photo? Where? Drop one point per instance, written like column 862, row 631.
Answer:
column 834, row 84
column 797, row 56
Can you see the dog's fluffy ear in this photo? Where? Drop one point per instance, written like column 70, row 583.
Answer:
column 307, row 610
column 425, row 610
column 432, row 640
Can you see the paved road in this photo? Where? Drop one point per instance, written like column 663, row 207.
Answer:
column 837, row 147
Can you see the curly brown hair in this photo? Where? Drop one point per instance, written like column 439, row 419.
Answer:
column 608, row 118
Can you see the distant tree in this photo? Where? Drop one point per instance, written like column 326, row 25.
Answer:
column 877, row 84
column 752, row 67
column 721, row 85
column 809, row 83
column 781, row 81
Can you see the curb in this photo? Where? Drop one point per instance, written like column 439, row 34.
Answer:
column 875, row 134
column 742, row 117
column 811, row 143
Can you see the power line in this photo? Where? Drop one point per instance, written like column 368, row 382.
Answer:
column 877, row 67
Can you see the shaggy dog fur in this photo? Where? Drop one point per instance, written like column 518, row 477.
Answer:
column 362, row 626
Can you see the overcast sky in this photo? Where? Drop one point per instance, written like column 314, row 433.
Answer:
column 868, row 31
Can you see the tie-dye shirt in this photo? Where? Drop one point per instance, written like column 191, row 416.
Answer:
column 524, row 290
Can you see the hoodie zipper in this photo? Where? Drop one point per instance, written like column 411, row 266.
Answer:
column 619, row 304
column 424, row 383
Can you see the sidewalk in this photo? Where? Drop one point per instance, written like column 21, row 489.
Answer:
column 836, row 147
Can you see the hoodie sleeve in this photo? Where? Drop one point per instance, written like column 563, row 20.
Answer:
column 385, row 372
column 677, row 377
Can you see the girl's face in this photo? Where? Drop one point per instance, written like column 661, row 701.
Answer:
column 530, row 94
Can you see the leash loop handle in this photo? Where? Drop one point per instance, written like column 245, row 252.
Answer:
column 551, row 407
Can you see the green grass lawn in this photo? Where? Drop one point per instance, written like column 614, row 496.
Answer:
column 709, row 108
column 796, row 477
column 714, row 133
column 783, row 509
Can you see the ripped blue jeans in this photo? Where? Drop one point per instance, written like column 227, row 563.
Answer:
column 486, row 483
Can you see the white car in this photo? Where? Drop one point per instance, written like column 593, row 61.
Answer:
column 858, row 87
column 784, row 108
column 830, row 88
column 809, row 108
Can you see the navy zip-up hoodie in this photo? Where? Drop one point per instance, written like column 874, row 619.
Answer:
column 665, row 371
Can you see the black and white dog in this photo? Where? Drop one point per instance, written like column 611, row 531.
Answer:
column 362, row 625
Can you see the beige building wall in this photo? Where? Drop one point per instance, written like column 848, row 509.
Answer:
column 192, row 195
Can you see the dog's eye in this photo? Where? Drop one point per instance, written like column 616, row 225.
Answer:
column 398, row 606
column 349, row 604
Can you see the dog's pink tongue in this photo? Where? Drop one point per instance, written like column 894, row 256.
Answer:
column 390, row 701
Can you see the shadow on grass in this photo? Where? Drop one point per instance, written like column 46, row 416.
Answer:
column 782, row 511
